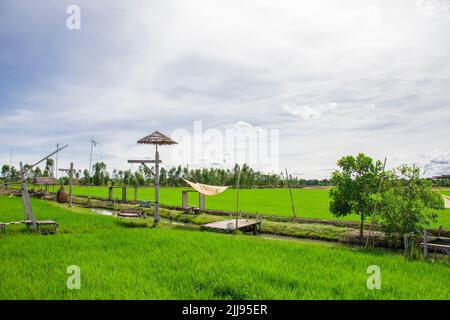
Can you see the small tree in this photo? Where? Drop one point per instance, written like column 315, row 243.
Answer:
column 354, row 187
column 5, row 171
column 409, row 204
column 49, row 168
column 86, row 178
column 100, row 174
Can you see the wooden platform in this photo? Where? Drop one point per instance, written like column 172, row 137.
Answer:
column 131, row 213
column 44, row 226
column 230, row 225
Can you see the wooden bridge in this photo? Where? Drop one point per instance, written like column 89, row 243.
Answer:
column 233, row 225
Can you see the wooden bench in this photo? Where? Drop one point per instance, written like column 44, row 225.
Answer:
column 3, row 225
column 44, row 226
column 132, row 213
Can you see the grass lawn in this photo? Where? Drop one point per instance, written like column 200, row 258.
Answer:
column 309, row 203
column 119, row 262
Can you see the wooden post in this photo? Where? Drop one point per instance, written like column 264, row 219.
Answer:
column 124, row 194
column 201, row 201
column 156, row 217
column 110, row 194
column 425, row 244
column 135, row 193
column 70, row 184
column 184, row 199
column 294, row 216
column 29, row 215
column 405, row 244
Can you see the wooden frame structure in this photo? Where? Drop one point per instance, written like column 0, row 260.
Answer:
column 124, row 193
column 185, row 199
column 49, row 226
column 444, row 246
column 70, row 172
column 156, row 138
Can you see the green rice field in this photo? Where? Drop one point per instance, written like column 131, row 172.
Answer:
column 309, row 203
column 118, row 261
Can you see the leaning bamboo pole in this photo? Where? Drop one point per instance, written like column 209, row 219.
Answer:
column 288, row 179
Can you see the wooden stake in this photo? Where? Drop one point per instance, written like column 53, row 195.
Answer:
column 70, row 172
column 425, row 244
column 70, row 184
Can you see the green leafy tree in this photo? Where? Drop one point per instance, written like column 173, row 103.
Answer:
column 86, row 178
column 100, row 175
column 5, row 171
column 49, row 165
column 37, row 172
column 409, row 204
column 355, row 186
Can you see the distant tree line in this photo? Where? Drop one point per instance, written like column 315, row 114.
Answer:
column 169, row 177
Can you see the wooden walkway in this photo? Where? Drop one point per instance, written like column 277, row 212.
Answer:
column 230, row 225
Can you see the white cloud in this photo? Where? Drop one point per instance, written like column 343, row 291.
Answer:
column 434, row 8
column 307, row 112
column 360, row 76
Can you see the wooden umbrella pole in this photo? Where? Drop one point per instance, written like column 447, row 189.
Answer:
column 156, row 216
column 237, row 195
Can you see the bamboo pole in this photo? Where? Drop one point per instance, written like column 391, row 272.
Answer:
column 237, row 195
column 70, row 184
column 294, row 215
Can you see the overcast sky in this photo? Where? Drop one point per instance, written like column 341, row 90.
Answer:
column 334, row 77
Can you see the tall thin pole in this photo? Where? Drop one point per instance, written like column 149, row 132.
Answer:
column 56, row 162
column 29, row 215
column 10, row 166
column 156, row 217
column 237, row 195
column 290, row 192
column 70, row 184
column 90, row 161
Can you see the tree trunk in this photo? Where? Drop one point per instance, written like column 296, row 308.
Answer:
column 361, row 227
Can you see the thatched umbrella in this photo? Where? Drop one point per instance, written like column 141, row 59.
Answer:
column 156, row 138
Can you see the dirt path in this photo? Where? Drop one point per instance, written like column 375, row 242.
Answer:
column 447, row 202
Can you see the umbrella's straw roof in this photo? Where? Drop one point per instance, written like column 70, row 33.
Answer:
column 157, row 138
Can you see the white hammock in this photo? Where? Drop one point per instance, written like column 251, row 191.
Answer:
column 205, row 189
